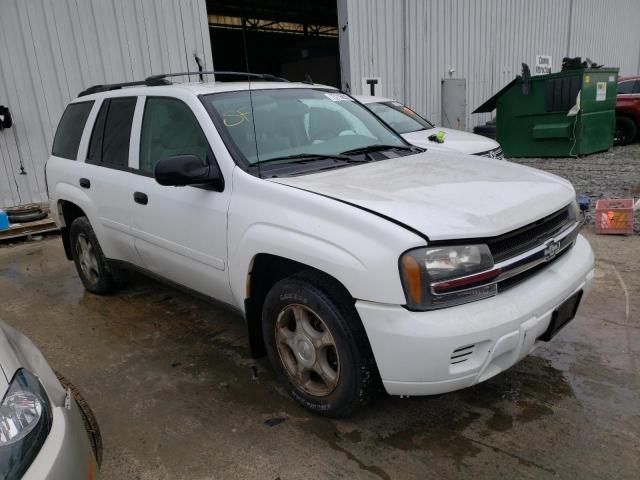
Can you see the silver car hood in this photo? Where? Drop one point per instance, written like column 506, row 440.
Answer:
column 7, row 358
column 16, row 352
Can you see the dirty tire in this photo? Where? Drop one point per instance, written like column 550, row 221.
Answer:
column 101, row 277
column 358, row 380
column 626, row 130
column 89, row 419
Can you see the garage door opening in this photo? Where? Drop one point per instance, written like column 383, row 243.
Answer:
column 292, row 39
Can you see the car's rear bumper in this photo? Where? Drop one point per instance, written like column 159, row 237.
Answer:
column 66, row 452
column 414, row 350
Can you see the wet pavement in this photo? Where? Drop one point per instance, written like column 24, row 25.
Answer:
column 177, row 396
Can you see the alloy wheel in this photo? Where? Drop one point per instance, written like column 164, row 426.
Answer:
column 307, row 350
column 87, row 258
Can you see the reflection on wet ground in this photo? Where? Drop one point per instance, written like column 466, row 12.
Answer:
column 177, row 395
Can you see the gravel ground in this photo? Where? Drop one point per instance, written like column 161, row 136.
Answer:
column 612, row 174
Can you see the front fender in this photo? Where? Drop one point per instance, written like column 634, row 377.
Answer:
column 300, row 247
column 357, row 248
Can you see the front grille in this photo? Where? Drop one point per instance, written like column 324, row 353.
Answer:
column 513, row 281
column 494, row 153
column 528, row 237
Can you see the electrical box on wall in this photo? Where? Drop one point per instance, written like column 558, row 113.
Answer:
column 5, row 118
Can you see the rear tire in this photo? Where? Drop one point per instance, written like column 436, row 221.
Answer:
column 97, row 274
column 626, row 130
column 317, row 345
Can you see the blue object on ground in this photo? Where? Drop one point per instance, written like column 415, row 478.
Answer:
column 4, row 220
column 584, row 202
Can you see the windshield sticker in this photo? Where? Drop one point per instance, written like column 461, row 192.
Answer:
column 338, row 97
column 235, row 117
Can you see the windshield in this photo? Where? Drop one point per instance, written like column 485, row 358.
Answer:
column 402, row 119
column 292, row 122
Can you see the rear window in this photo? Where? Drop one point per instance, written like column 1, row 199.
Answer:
column 109, row 143
column 628, row 86
column 70, row 128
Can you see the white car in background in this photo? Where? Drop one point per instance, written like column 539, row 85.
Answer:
column 44, row 425
column 417, row 130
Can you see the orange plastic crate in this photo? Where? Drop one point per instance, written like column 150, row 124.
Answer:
column 614, row 216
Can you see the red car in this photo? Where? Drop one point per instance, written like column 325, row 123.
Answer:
column 627, row 110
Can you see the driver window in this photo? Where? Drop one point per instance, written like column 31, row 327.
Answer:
column 169, row 128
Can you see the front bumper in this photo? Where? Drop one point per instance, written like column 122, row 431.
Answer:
column 417, row 353
column 66, row 452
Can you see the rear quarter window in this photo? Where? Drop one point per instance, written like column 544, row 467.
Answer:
column 70, row 128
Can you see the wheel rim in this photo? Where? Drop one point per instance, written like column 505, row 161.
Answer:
column 87, row 258
column 307, row 350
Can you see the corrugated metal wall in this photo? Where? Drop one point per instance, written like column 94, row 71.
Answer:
column 52, row 49
column 413, row 44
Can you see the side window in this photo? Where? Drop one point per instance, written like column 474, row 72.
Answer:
column 626, row 87
column 636, row 87
column 169, row 128
column 111, row 133
column 70, row 128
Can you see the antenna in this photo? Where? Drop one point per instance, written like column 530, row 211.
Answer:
column 200, row 68
column 253, row 117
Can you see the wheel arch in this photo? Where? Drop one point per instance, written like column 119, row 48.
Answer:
column 68, row 211
column 265, row 270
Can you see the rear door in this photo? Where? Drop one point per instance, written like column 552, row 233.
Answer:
column 180, row 232
column 107, row 179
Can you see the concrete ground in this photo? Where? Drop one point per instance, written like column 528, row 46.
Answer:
column 177, row 396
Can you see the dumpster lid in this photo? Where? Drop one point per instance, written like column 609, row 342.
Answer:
column 490, row 105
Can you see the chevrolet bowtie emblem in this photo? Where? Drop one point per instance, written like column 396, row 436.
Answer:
column 551, row 249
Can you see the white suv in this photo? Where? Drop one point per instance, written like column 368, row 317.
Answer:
column 358, row 262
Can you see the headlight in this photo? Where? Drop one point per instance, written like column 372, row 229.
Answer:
column 25, row 422
column 574, row 210
column 443, row 276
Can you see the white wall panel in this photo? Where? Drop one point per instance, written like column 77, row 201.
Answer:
column 413, row 44
column 50, row 50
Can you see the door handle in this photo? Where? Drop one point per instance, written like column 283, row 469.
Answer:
column 140, row 198
column 85, row 183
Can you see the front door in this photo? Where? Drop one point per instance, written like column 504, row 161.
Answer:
column 180, row 232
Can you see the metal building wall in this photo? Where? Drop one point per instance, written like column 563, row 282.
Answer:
column 413, row 44
column 52, row 49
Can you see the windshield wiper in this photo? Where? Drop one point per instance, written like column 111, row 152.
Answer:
column 308, row 157
column 375, row 148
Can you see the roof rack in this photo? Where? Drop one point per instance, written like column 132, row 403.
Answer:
column 161, row 79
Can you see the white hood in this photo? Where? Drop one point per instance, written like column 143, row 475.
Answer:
column 455, row 140
column 445, row 195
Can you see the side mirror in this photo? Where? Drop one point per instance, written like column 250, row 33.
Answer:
column 184, row 170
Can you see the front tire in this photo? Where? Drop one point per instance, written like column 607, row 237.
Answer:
column 97, row 275
column 317, row 346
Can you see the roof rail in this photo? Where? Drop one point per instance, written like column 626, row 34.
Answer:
column 161, row 79
column 259, row 76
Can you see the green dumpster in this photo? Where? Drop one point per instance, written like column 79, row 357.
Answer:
column 532, row 114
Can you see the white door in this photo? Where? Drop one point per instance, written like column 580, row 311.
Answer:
column 105, row 175
column 180, row 232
